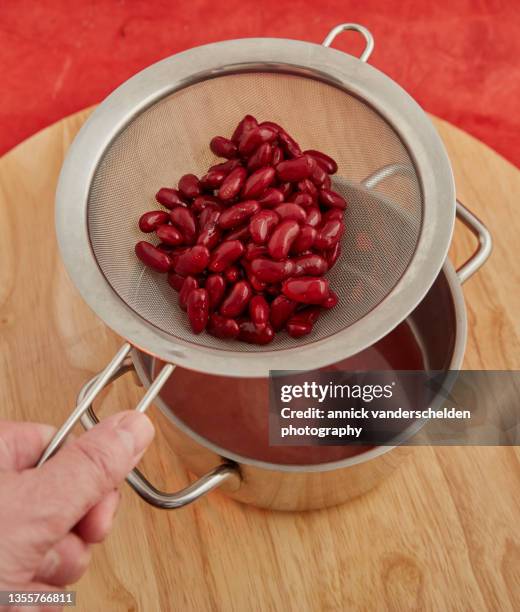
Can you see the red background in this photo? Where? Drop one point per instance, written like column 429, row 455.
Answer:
column 459, row 59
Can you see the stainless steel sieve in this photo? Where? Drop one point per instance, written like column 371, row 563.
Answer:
column 157, row 126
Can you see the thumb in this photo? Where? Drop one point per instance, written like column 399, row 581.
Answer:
column 84, row 471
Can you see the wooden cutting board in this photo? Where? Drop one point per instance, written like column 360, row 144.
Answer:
column 442, row 533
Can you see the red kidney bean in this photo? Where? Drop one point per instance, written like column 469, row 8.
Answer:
column 332, row 199
column 327, row 183
column 256, row 283
column 261, row 157
column 295, row 169
column 254, row 250
column 226, row 254
column 286, row 189
column 190, row 284
column 203, row 202
column 282, row 239
column 185, row 221
column 240, row 233
column 306, row 289
column 232, row 274
column 223, row 147
column 310, row 265
column 213, row 179
column 273, row 290
column 193, row 261
column 175, row 280
column 169, row 235
column 227, row 166
column 232, row 184
column 313, row 216
column 189, row 186
column 252, row 139
column 236, row 300
column 305, row 239
column 281, row 310
column 210, row 237
column 323, row 160
column 308, row 314
column 258, row 182
column 333, row 213
column 215, row 286
column 166, row 248
column 269, row 271
column 271, row 197
column 175, row 253
column 198, row 310
column 298, row 329
column 331, row 300
column 210, row 234
column 291, row 211
column 236, row 215
column 307, row 186
column 222, row 327
column 288, row 144
column 262, row 224
column 255, row 334
column 277, row 156
column 272, row 126
column 152, row 256
column 259, row 310
column 329, row 234
column 332, row 255
column 319, row 176
column 248, row 123
column 169, row 198
column 150, row 221
column 209, row 217
column 302, row 199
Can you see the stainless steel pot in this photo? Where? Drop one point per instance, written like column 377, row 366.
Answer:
column 439, row 328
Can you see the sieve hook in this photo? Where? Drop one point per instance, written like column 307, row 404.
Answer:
column 343, row 27
column 473, row 223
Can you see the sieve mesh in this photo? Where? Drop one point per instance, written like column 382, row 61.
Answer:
column 172, row 137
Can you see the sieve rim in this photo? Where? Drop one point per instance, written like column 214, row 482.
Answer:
column 310, row 60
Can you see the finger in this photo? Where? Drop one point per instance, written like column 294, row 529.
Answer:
column 96, row 524
column 65, row 562
column 21, row 444
column 72, row 482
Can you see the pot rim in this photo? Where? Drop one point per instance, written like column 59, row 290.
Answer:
column 455, row 364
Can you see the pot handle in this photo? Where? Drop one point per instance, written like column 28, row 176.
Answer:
column 473, row 223
column 136, row 478
column 343, row 27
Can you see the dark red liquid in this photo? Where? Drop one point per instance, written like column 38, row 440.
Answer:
column 234, row 412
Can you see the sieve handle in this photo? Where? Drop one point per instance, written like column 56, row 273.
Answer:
column 344, row 27
column 136, row 479
column 101, row 380
column 473, row 223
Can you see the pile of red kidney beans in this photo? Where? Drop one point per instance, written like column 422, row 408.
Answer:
column 248, row 244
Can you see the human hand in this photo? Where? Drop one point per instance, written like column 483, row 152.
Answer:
column 49, row 516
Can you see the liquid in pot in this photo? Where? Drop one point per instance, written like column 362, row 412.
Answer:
column 233, row 413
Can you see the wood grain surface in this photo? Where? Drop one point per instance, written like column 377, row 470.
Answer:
column 442, row 533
